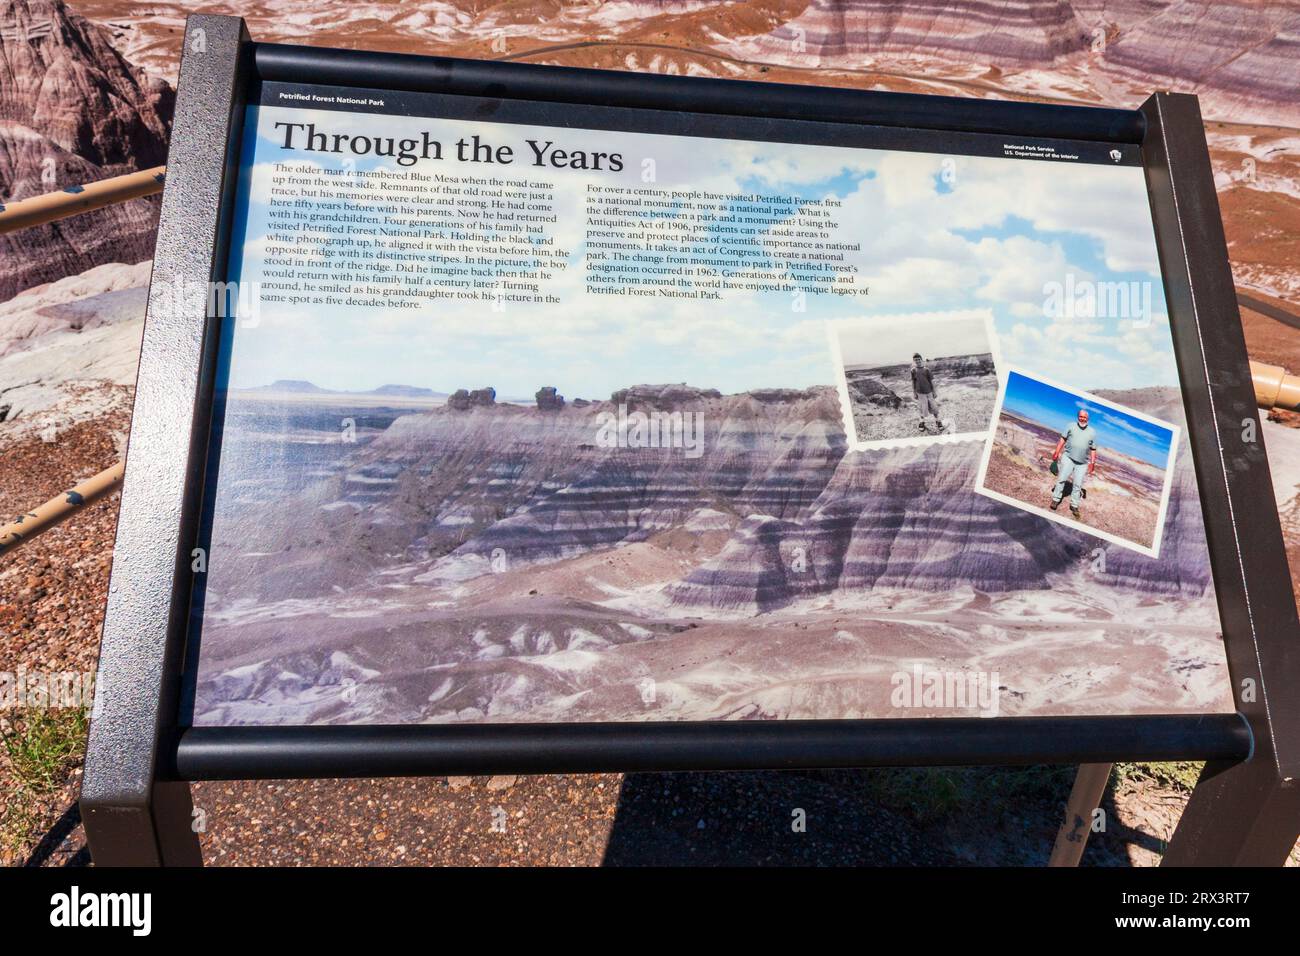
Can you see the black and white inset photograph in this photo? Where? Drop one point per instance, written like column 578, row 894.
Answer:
column 915, row 379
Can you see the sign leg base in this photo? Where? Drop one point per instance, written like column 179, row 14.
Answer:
column 1239, row 815
column 159, row 833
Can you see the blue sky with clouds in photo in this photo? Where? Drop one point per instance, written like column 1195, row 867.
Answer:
column 1058, row 408
column 988, row 235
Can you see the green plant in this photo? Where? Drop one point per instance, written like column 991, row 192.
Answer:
column 17, row 820
column 43, row 746
column 928, row 793
column 1178, row 775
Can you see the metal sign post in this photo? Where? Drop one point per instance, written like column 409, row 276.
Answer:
column 132, row 814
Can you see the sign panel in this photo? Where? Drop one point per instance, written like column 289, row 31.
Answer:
column 553, row 413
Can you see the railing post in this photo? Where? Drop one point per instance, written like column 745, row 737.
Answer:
column 1085, row 797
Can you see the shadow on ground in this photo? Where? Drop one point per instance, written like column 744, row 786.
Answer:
column 746, row 819
column 887, row 817
column 928, row 817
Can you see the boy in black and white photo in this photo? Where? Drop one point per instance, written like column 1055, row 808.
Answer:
column 923, row 390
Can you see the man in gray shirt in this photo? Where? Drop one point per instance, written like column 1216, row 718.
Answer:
column 1076, row 458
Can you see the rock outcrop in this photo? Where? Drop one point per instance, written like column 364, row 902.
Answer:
column 963, row 366
column 988, row 32
column 72, row 110
column 874, row 392
column 462, row 400
column 69, row 349
column 662, row 397
column 104, row 295
column 1242, row 57
column 776, row 396
column 910, row 518
column 548, row 399
column 1239, row 56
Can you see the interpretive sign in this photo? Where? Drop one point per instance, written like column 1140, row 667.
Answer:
column 534, row 422
column 497, row 418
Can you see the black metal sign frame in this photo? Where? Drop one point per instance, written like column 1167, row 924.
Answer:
column 135, row 796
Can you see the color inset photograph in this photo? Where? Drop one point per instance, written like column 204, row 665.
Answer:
column 1082, row 460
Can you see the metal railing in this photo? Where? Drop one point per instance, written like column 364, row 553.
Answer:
column 44, row 517
column 36, row 211
column 74, row 200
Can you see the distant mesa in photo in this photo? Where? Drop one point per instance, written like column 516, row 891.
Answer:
column 411, row 391
column 297, row 386
column 291, row 385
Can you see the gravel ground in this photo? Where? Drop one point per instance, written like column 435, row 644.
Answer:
column 52, row 590
column 52, row 594
column 611, row 819
column 872, row 818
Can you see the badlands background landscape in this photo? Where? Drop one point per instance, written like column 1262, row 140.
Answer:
column 86, row 91
column 492, row 563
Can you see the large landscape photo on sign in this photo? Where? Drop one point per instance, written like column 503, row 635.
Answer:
column 538, row 424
